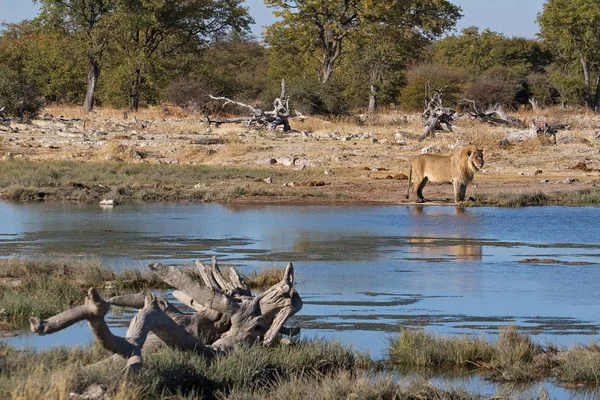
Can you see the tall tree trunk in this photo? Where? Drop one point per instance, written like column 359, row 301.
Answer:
column 586, row 78
column 373, row 98
column 93, row 76
column 326, row 71
column 135, row 90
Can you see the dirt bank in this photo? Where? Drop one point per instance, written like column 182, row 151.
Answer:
column 321, row 161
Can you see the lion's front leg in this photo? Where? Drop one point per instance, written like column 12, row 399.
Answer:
column 460, row 190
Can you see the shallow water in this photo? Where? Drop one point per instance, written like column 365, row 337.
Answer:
column 362, row 271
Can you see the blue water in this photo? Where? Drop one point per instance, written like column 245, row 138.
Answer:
column 362, row 271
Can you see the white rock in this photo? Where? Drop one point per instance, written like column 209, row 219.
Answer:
column 109, row 202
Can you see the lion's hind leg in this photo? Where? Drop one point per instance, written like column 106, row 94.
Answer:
column 419, row 189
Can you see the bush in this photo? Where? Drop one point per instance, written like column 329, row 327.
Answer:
column 496, row 85
column 21, row 99
column 192, row 94
column 310, row 96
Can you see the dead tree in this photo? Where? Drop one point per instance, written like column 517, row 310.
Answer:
column 436, row 116
column 4, row 121
column 548, row 131
column 494, row 115
column 226, row 314
column 280, row 115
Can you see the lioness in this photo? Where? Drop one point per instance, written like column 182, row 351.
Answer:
column 458, row 168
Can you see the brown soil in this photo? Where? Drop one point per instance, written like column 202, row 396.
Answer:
column 363, row 161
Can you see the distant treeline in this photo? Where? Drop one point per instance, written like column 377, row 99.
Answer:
column 336, row 56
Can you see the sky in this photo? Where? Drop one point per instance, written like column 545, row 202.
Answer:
column 509, row 17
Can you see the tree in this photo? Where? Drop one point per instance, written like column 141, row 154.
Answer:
column 153, row 30
column 384, row 31
column 479, row 51
column 570, row 27
column 88, row 18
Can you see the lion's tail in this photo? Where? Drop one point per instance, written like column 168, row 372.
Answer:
column 409, row 179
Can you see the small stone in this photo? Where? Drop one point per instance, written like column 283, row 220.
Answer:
column 268, row 180
column 374, row 140
column 109, row 202
column 328, row 172
column 571, row 180
column 287, row 161
column 544, row 181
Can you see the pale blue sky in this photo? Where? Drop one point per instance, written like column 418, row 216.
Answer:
column 510, row 17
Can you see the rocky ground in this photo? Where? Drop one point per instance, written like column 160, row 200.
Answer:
column 364, row 159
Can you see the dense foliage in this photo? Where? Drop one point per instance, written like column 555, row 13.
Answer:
column 336, row 56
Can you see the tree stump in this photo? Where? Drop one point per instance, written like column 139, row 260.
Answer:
column 226, row 314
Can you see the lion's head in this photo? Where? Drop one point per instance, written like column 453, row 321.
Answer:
column 473, row 156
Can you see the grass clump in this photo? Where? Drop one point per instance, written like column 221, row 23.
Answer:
column 41, row 297
column 417, row 348
column 510, row 200
column 264, row 277
column 45, row 287
column 585, row 197
column 513, row 357
column 344, row 386
column 580, row 364
column 169, row 373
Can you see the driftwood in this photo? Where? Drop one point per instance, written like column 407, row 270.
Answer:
column 436, row 116
column 4, row 121
column 545, row 131
column 226, row 314
column 495, row 114
column 280, row 115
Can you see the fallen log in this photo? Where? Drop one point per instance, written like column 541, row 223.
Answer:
column 495, row 114
column 227, row 314
column 280, row 115
column 544, row 131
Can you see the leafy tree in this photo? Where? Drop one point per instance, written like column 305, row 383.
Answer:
column 481, row 51
column 318, row 33
column 570, row 27
column 86, row 18
column 153, row 31
column 47, row 59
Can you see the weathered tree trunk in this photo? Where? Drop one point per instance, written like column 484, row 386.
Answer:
column 227, row 314
column 436, row 116
column 135, row 90
column 373, row 98
column 93, row 76
column 587, row 80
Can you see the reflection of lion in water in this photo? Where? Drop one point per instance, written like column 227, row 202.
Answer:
column 458, row 169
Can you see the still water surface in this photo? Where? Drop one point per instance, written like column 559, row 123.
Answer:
column 362, row 271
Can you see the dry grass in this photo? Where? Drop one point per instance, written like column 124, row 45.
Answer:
column 264, row 277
